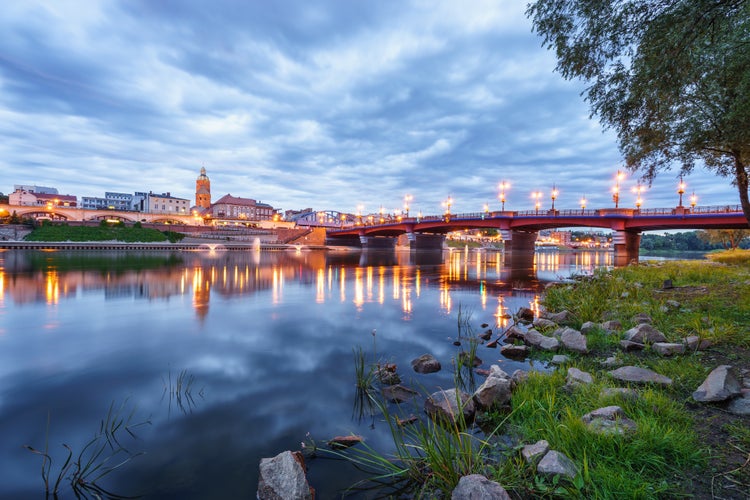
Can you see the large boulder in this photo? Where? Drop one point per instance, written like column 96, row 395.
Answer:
column 639, row 375
column 426, row 363
column 495, row 391
column 525, row 314
column 478, row 487
column 644, row 333
column 720, row 385
column 443, row 406
column 283, row 477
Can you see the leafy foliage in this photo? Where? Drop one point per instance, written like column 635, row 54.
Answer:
column 670, row 76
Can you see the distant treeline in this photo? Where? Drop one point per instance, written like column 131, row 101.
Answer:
column 703, row 241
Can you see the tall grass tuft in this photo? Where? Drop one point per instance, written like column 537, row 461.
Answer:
column 99, row 457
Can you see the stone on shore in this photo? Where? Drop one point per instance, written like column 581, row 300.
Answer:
column 444, row 406
column 478, row 487
column 283, row 476
column 573, row 340
column 609, row 420
column 544, row 323
column 644, row 333
column 398, row 393
column 426, row 363
column 532, row 453
column 578, row 377
column 536, row 339
column 668, row 348
column 495, row 392
column 638, row 375
column 720, row 385
column 514, row 351
column 555, row 463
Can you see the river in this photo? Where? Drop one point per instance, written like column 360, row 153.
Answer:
column 227, row 357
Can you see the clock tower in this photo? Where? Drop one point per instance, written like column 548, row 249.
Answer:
column 203, row 190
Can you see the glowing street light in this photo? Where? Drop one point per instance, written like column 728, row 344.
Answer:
column 638, row 189
column 382, row 211
column 693, row 200
column 680, row 190
column 553, row 195
column 583, row 204
column 447, row 203
column 359, row 214
column 537, row 195
column 616, row 189
column 503, row 186
column 407, row 199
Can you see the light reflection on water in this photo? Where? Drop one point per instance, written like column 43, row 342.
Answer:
column 267, row 337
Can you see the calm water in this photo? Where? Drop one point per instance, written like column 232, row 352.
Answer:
column 264, row 343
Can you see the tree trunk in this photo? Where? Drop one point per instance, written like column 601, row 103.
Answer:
column 740, row 173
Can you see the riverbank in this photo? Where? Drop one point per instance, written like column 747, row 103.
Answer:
column 667, row 442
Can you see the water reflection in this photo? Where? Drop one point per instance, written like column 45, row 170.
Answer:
column 267, row 336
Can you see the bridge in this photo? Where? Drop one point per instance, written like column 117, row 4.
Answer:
column 521, row 228
column 70, row 214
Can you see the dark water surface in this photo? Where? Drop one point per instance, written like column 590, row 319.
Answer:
column 231, row 356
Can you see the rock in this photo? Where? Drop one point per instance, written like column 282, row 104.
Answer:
column 514, row 351
column 493, row 344
column 560, row 359
column 495, row 392
column 619, row 392
column 573, row 340
column 283, row 476
column 465, row 359
column 387, row 376
column 695, row 343
column 720, row 385
column 639, row 376
column 411, row 419
column 672, row 304
column 555, row 463
column 544, row 323
column 740, row 406
column 484, row 325
column 443, row 406
column 589, row 327
column 478, row 487
column 667, row 285
column 536, row 339
column 398, row 393
column 644, row 333
column 532, row 453
column 426, row 363
column 609, row 420
column 667, row 348
column 629, row 346
column 525, row 314
column 515, row 333
column 578, row 377
column 612, row 326
column 560, row 318
column 610, row 361
column 341, row 442
column 642, row 318
column 486, row 335
column 519, row 376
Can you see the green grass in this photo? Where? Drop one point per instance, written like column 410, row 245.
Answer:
column 116, row 232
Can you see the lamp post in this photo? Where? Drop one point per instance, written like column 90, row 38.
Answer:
column 503, row 186
column 693, row 200
column 382, row 211
column 583, row 204
column 486, row 209
column 359, row 214
column 638, row 189
column 537, row 195
column 407, row 199
column 448, row 204
column 553, row 195
column 680, row 190
column 616, row 189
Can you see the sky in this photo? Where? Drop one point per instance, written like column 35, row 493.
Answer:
column 334, row 104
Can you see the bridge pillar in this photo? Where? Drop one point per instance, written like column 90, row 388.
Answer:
column 519, row 252
column 626, row 245
column 348, row 241
column 372, row 242
column 423, row 241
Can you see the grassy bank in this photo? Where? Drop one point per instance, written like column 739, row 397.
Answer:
column 681, row 448
column 103, row 232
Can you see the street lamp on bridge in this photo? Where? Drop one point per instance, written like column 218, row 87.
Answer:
column 537, row 195
column 680, row 190
column 503, row 186
column 693, row 200
column 616, row 189
column 553, row 195
column 583, row 204
column 407, row 199
column 638, row 189
column 447, row 203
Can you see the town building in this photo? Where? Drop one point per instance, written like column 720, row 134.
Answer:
column 165, row 203
column 35, row 189
column 228, row 207
column 203, row 191
column 111, row 201
column 30, row 199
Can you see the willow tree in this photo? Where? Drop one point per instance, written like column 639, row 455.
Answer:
column 671, row 77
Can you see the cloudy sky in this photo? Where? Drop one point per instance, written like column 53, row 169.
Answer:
column 326, row 104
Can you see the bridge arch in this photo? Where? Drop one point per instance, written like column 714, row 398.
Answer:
column 101, row 217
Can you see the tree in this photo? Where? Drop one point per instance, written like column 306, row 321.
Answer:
column 728, row 238
column 671, row 77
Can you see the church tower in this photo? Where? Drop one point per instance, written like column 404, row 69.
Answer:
column 203, row 190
